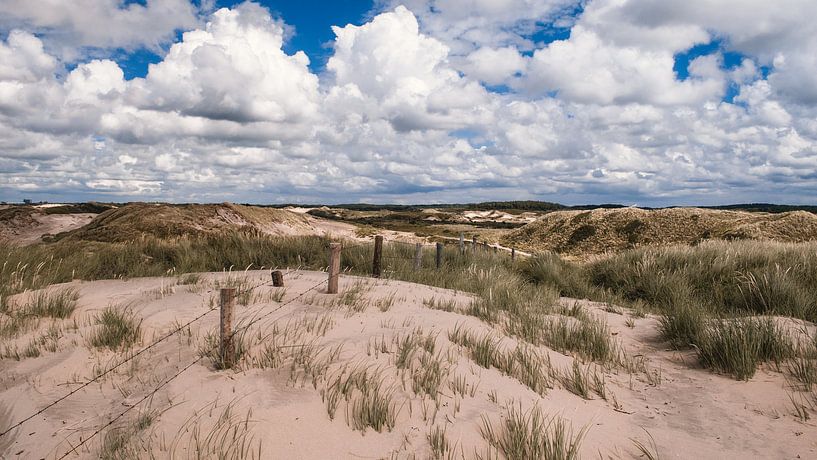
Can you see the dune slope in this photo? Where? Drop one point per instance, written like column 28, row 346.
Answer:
column 373, row 372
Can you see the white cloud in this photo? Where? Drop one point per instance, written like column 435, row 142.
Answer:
column 70, row 26
column 494, row 66
column 587, row 69
column 388, row 69
column 232, row 70
column 402, row 113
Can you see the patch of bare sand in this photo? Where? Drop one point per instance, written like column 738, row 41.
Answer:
column 22, row 232
column 690, row 412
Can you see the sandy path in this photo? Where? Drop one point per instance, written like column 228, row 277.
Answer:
column 690, row 412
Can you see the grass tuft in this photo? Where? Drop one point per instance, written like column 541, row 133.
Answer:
column 117, row 329
column 526, row 435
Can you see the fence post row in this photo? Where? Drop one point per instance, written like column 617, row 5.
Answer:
column 334, row 268
column 378, row 256
column 226, row 347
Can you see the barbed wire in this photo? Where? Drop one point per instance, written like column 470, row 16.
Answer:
column 122, row 414
column 106, row 372
column 121, row 363
column 180, row 372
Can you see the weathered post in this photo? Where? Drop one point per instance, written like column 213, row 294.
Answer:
column 378, row 256
column 462, row 243
column 496, row 249
column 226, row 348
column 474, row 240
column 513, row 254
column 277, row 278
column 439, row 255
column 418, row 256
column 334, row 268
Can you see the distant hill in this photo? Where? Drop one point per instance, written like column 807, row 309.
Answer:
column 138, row 220
column 541, row 206
column 581, row 233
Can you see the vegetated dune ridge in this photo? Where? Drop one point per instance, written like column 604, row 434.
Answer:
column 24, row 225
column 313, row 365
column 583, row 233
column 138, row 220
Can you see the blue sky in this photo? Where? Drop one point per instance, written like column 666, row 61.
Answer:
column 632, row 101
column 311, row 19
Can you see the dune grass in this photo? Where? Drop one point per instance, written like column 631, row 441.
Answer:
column 691, row 287
column 524, row 435
column 117, row 329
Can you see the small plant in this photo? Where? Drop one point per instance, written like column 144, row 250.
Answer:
column 229, row 436
column 117, row 328
column 57, row 304
column 384, row 304
column 190, row 279
column 211, row 349
column 439, row 443
column 737, row 346
column 370, row 404
column 648, row 451
column 528, row 435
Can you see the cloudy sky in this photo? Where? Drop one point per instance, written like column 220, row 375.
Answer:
column 648, row 102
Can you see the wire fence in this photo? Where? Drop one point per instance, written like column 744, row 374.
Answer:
column 151, row 393
column 464, row 248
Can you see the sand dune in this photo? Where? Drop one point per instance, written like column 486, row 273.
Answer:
column 280, row 396
column 584, row 233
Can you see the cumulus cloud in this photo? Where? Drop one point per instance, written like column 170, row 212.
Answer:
column 587, row 69
column 391, row 70
column 438, row 100
column 70, row 26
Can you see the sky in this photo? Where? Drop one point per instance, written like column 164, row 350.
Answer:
column 638, row 102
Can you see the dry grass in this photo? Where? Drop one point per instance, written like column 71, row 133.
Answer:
column 583, row 233
column 224, row 435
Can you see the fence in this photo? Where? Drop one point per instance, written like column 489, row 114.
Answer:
column 226, row 304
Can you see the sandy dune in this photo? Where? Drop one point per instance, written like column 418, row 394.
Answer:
column 32, row 231
column 690, row 412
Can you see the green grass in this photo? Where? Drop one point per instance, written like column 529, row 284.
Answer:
column 527, row 435
column 117, row 329
column 370, row 403
column 687, row 286
column 738, row 346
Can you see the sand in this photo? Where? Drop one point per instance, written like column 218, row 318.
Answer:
column 688, row 411
column 33, row 229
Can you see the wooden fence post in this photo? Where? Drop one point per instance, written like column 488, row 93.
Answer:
column 378, row 256
column 474, row 240
column 439, row 255
column 277, row 278
column 462, row 243
column 418, row 256
column 226, row 347
column 334, row 268
column 513, row 254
